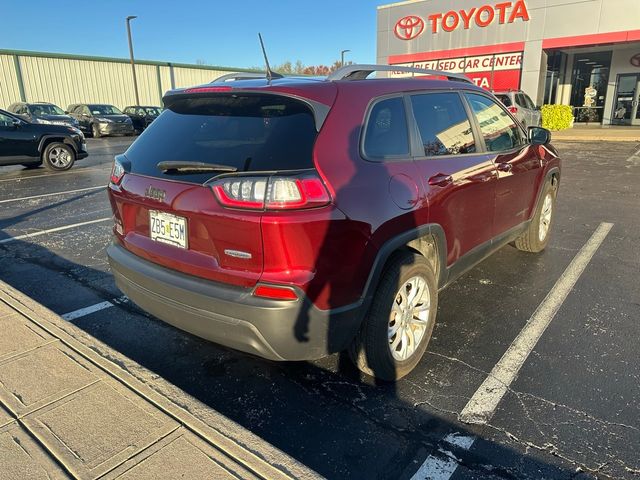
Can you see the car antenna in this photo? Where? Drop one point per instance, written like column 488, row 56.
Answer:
column 266, row 60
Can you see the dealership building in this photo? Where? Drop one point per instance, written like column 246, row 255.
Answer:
column 583, row 53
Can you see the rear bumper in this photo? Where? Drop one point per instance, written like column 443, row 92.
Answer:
column 232, row 316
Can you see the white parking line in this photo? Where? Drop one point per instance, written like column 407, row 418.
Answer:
column 81, row 312
column 52, row 230
column 483, row 403
column 52, row 194
column 442, row 468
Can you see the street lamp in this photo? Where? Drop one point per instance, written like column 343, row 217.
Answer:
column 133, row 65
column 342, row 57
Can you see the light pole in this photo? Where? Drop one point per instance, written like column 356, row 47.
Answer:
column 342, row 57
column 133, row 65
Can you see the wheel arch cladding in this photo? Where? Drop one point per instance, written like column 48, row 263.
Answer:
column 47, row 140
column 428, row 240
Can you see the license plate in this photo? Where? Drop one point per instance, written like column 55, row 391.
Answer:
column 167, row 228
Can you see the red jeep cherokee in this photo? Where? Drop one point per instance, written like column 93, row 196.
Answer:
column 295, row 218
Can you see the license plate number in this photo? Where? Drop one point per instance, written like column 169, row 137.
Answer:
column 167, row 228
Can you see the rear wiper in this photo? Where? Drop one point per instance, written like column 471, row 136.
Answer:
column 183, row 166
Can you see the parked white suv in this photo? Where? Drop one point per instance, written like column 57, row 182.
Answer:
column 521, row 106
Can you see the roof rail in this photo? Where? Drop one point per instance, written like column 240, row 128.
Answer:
column 230, row 77
column 360, row 72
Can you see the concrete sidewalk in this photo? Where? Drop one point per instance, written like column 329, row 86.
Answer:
column 598, row 133
column 67, row 412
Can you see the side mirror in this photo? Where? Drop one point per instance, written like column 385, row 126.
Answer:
column 66, row 112
column 539, row 136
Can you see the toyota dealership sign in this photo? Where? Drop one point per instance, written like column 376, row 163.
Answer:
column 412, row 26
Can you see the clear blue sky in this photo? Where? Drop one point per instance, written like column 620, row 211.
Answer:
column 216, row 32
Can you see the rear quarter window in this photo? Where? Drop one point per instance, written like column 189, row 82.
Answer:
column 248, row 132
column 386, row 134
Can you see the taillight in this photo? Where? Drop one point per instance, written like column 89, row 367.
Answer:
column 272, row 192
column 241, row 192
column 117, row 172
column 513, row 110
column 275, row 293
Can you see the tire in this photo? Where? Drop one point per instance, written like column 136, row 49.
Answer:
column 95, row 130
column 58, row 156
column 31, row 166
column 536, row 237
column 371, row 350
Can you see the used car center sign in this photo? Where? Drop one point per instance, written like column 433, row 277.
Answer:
column 411, row 26
column 497, row 72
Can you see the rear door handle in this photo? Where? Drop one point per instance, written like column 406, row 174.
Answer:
column 440, row 180
column 505, row 167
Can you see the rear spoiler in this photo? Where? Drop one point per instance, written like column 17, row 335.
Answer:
column 319, row 110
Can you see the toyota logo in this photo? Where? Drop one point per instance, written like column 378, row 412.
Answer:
column 635, row 60
column 409, row 27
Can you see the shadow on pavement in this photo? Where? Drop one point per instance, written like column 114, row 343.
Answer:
column 335, row 422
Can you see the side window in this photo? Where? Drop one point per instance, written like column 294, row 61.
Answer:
column 140, row 112
column 386, row 134
column 85, row 110
column 529, row 102
column 498, row 129
column 443, row 124
column 521, row 101
column 5, row 121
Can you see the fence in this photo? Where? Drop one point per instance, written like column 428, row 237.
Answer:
column 66, row 79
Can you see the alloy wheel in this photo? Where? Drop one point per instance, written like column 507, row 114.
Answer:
column 409, row 318
column 545, row 217
column 60, row 157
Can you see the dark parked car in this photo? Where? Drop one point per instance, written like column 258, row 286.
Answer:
column 142, row 116
column 31, row 144
column 101, row 119
column 43, row 113
column 295, row 218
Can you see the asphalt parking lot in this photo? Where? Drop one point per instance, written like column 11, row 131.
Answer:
column 572, row 411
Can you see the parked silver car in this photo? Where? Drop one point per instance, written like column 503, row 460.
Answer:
column 521, row 106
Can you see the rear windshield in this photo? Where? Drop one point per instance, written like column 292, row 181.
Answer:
column 248, row 132
column 506, row 101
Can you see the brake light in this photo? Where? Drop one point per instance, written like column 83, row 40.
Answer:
column 271, row 193
column 207, row 89
column 276, row 293
column 117, row 172
column 513, row 110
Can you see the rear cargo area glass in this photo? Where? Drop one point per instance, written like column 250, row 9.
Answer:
column 250, row 132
